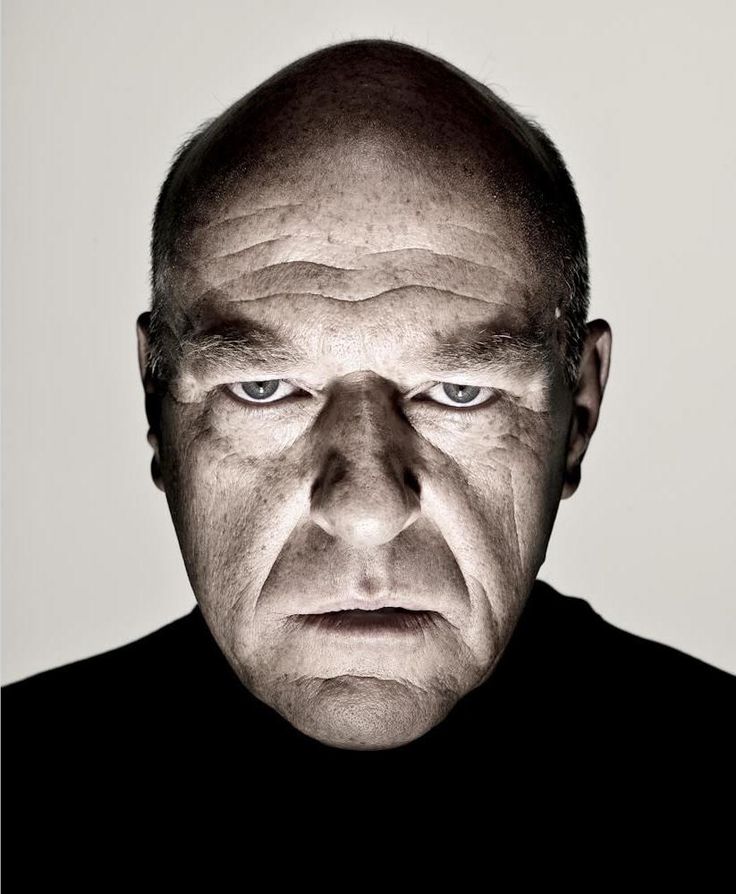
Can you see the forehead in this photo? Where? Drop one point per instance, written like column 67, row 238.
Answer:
column 355, row 246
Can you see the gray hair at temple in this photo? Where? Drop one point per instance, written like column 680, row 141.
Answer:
column 525, row 162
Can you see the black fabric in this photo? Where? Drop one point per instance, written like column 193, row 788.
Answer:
column 161, row 729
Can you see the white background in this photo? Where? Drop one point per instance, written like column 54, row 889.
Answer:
column 639, row 97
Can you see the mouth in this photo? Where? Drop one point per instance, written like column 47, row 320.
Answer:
column 382, row 621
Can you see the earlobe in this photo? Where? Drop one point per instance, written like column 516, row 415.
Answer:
column 153, row 396
column 586, row 400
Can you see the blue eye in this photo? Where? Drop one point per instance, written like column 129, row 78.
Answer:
column 258, row 392
column 460, row 395
column 465, row 393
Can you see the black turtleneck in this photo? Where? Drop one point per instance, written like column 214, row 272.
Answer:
column 575, row 707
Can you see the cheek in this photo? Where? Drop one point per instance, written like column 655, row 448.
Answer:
column 515, row 474
column 520, row 470
column 228, row 507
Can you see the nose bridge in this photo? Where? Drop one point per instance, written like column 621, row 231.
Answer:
column 365, row 418
column 365, row 491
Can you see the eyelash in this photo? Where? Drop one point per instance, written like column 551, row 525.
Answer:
column 260, row 407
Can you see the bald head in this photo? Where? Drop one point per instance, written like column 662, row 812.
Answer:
column 362, row 112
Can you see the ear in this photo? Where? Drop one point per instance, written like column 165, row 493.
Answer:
column 153, row 395
column 586, row 400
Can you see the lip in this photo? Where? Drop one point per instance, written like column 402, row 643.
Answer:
column 350, row 603
column 371, row 622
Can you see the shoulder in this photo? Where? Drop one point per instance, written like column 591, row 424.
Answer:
column 627, row 681
column 102, row 728
column 634, row 659
column 138, row 670
column 627, row 713
column 624, row 655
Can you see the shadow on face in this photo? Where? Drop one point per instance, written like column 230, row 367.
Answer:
column 362, row 419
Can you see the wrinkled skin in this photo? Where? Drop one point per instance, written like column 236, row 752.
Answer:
column 360, row 478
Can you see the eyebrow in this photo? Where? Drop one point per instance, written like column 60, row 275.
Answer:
column 241, row 343
column 469, row 348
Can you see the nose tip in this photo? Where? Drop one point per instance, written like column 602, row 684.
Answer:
column 367, row 521
column 366, row 503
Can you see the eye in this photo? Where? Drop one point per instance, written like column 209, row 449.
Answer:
column 460, row 395
column 270, row 391
column 259, row 392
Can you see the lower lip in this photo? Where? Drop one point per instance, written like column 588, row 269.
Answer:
column 402, row 623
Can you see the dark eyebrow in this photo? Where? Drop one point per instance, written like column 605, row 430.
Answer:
column 240, row 343
column 475, row 349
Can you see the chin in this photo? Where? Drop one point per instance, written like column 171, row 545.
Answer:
column 363, row 713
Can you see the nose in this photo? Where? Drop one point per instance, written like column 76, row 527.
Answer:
column 365, row 491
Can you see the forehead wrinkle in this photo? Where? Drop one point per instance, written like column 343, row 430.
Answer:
column 247, row 215
column 325, row 222
column 198, row 312
column 285, row 273
column 208, row 259
column 280, row 248
column 453, row 225
column 442, row 261
column 356, row 252
column 409, row 286
column 278, row 252
column 359, row 283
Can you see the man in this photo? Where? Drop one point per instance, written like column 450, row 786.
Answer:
column 369, row 381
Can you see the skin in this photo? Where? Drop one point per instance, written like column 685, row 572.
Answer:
column 362, row 477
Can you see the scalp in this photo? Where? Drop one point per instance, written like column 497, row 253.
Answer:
column 372, row 110
column 410, row 111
